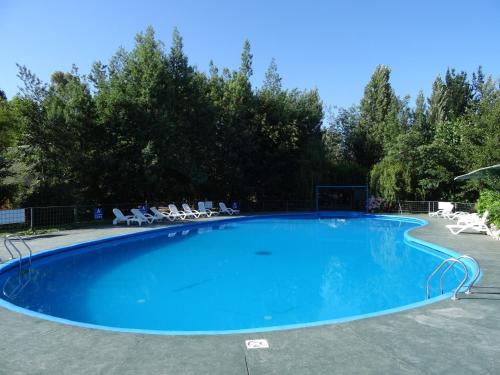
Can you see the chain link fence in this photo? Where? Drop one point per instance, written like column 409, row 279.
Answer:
column 94, row 215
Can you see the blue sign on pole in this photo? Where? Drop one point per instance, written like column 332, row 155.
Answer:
column 98, row 213
column 143, row 209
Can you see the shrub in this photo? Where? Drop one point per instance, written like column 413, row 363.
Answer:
column 490, row 200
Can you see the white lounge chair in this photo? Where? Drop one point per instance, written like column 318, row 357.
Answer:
column 444, row 208
column 457, row 215
column 225, row 210
column 466, row 219
column 203, row 210
column 189, row 212
column 142, row 218
column 158, row 215
column 175, row 213
column 121, row 218
column 478, row 225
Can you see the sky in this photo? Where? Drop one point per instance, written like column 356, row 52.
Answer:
column 333, row 46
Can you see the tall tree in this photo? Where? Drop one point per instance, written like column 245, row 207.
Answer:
column 153, row 127
column 131, row 103
column 246, row 60
column 378, row 123
column 459, row 94
column 437, row 109
column 7, row 140
column 272, row 81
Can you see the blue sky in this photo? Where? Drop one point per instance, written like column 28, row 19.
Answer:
column 331, row 45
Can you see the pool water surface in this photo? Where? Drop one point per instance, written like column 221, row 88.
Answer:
column 223, row 277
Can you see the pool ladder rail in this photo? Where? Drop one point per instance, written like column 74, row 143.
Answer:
column 14, row 251
column 451, row 262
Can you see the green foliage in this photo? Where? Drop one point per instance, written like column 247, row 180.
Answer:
column 55, row 124
column 246, row 60
column 490, row 200
column 391, row 179
column 8, row 129
column 378, row 121
column 456, row 133
column 421, row 123
column 147, row 125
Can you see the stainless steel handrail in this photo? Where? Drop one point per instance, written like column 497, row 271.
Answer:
column 19, row 238
column 7, row 248
column 471, row 284
column 453, row 260
column 6, row 243
column 9, row 244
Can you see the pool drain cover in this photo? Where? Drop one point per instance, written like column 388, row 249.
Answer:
column 257, row 344
column 263, row 252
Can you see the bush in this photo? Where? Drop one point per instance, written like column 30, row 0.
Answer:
column 490, row 200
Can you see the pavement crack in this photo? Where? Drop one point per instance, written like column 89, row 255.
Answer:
column 246, row 365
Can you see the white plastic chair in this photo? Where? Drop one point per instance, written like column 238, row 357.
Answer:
column 457, row 215
column 175, row 213
column 189, row 212
column 226, row 210
column 478, row 225
column 444, row 208
column 121, row 218
column 466, row 219
column 142, row 218
column 203, row 210
column 158, row 215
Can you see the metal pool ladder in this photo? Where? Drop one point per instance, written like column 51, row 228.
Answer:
column 14, row 250
column 451, row 262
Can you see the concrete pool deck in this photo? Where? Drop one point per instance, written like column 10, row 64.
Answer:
column 447, row 337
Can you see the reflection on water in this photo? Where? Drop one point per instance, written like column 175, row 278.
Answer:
column 16, row 282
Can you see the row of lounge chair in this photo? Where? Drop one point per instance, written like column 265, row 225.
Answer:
column 465, row 221
column 171, row 213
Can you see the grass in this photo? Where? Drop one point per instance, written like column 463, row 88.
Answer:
column 29, row 232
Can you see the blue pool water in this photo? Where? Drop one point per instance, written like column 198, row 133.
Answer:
column 241, row 275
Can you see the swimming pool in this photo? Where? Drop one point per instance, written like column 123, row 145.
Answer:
column 238, row 275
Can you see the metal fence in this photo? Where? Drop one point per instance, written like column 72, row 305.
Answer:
column 85, row 215
column 59, row 216
column 416, row 207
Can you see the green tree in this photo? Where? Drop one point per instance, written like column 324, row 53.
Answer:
column 7, row 141
column 147, row 125
column 378, row 124
column 236, row 129
column 421, row 122
column 131, row 98
column 437, row 106
column 459, row 94
column 246, row 60
column 56, row 123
